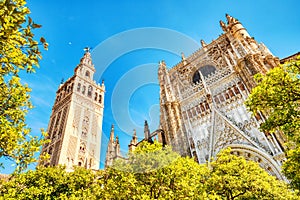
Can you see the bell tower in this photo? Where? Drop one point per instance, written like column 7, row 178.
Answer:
column 75, row 125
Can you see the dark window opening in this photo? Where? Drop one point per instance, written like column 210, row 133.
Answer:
column 205, row 71
column 83, row 89
column 87, row 74
column 100, row 99
column 90, row 89
column 196, row 78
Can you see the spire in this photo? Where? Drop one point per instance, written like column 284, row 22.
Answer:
column 183, row 59
column 112, row 132
column 223, row 26
column 110, row 148
column 230, row 20
column 203, row 43
column 147, row 132
column 133, row 142
column 134, row 137
column 182, row 56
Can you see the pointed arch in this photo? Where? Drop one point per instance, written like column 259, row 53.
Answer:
column 264, row 160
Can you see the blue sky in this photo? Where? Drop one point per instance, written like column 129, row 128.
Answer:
column 71, row 25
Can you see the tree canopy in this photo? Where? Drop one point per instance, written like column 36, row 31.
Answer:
column 277, row 95
column 165, row 175
column 18, row 51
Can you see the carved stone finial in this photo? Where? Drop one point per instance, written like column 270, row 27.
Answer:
column 183, row 59
column 203, row 43
column 162, row 64
column 223, row 26
column 230, row 19
column 182, row 56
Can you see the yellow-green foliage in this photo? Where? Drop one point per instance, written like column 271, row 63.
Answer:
column 229, row 177
column 18, row 51
column 278, row 96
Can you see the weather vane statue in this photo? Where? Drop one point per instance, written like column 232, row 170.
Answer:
column 87, row 49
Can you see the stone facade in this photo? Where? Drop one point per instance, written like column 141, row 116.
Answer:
column 75, row 125
column 202, row 100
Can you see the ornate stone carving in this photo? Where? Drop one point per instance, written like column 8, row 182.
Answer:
column 212, row 109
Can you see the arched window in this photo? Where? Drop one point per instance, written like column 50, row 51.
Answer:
column 96, row 96
column 87, row 73
column 100, row 98
column 90, row 89
column 82, row 147
column 85, row 121
column 78, row 87
column 84, row 133
column 205, row 71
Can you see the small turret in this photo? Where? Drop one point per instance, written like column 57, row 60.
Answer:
column 162, row 71
column 111, row 148
column 147, row 132
column 133, row 142
column 234, row 27
column 134, row 137
column 112, row 132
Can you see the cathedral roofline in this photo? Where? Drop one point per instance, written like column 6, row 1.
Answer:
column 196, row 53
column 291, row 57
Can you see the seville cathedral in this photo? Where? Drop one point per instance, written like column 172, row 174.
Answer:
column 201, row 107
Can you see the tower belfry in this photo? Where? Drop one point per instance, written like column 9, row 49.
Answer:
column 75, row 125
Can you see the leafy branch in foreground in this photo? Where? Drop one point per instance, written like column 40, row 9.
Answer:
column 18, row 51
column 277, row 95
